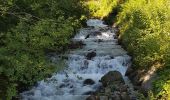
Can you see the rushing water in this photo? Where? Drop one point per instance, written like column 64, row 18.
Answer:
column 69, row 83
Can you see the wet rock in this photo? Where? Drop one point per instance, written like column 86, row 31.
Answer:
column 71, row 86
column 111, row 57
column 86, row 63
column 99, row 40
column 111, row 78
column 103, row 29
column 75, row 45
column 95, row 33
column 87, row 36
column 88, row 82
column 63, row 85
column 66, row 80
column 90, row 55
column 89, row 93
column 129, row 71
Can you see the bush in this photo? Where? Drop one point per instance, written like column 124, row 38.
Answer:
column 101, row 8
column 144, row 30
column 30, row 29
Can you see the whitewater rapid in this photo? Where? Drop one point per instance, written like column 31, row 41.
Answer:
column 68, row 84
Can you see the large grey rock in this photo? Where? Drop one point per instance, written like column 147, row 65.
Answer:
column 111, row 78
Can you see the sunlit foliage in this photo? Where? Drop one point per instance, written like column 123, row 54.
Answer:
column 145, row 32
column 101, row 8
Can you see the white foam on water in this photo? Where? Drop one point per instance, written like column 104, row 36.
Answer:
column 69, row 83
column 96, row 23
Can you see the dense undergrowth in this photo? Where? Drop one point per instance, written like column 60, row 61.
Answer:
column 145, row 32
column 30, row 29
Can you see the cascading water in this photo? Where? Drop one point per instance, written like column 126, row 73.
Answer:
column 100, row 55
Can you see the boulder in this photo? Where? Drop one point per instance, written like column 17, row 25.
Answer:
column 111, row 78
column 88, row 82
column 90, row 55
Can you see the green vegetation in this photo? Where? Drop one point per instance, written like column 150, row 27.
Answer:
column 101, row 8
column 145, row 32
column 30, row 29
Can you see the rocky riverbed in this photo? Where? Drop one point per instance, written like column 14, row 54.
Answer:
column 96, row 67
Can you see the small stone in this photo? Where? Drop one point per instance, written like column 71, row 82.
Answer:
column 63, row 85
column 89, row 93
column 87, row 36
column 100, row 40
column 86, row 63
column 90, row 55
column 71, row 86
column 88, row 82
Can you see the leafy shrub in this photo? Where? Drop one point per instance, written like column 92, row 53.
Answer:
column 30, row 29
column 144, row 30
column 101, row 8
